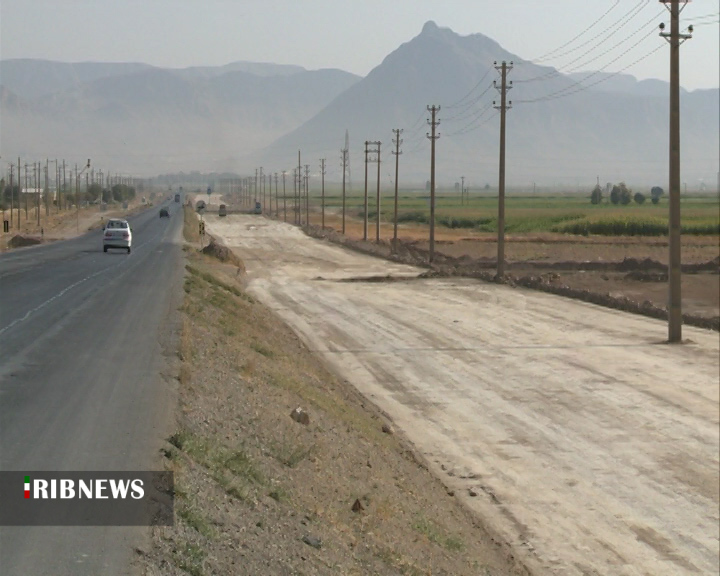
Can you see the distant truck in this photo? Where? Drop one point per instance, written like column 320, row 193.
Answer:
column 222, row 211
column 177, row 197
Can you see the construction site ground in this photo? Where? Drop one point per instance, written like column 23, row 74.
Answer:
column 572, row 431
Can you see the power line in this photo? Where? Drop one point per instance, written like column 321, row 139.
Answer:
column 566, row 67
column 567, row 91
column 547, row 55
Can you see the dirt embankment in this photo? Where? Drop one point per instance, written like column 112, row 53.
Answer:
column 541, row 275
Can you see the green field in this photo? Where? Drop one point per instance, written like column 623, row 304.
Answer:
column 570, row 214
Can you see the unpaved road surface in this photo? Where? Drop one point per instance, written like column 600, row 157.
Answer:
column 572, row 430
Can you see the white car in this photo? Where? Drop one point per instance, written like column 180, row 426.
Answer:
column 118, row 234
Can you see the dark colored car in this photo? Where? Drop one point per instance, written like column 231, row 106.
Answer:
column 164, row 213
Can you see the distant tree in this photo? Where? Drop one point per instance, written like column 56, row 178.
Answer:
column 457, row 186
column 615, row 194
column 596, row 196
column 487, row 186
column 625, row 194
column 639, row 197
column 427, row 185
column 94, row 191
column 655, row 193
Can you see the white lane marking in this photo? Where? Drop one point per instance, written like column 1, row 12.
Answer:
column 29, row 313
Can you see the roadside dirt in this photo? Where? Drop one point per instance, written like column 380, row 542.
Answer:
column 258, row 492
column 63, row 225
column 567, row 428
column 622, row 273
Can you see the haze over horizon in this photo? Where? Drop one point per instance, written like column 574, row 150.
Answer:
column 352, row 35
column 187, row 117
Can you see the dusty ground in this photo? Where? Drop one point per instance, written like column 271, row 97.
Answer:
column 64, row 224
column 259, row 493
column 534, row 254
column 568, row 428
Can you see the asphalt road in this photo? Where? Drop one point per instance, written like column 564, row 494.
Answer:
column 86, row 372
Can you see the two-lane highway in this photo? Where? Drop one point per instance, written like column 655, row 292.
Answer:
column 86, row 376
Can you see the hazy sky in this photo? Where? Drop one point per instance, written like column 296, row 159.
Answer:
column 353, row 35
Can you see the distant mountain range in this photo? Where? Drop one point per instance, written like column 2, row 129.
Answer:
column 561, row 129
column 139, row 118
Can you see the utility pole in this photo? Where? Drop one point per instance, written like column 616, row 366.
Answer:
column 19, row 192
column 307, row 195
column 26, row 194
column 433, row 123
column 397, row 141
column 64, row 174
column 277, row 200
column 284, row 198
column 462, row 190
column 344, row 164
column 262, row 190
column 295, row 195
column 504, row 68
column 256, row 185
column 47, row 188
column 675, row 38
column 299, row 191
column 322, row 194
column 377, row 202
column 12, row 196
column 36, row 183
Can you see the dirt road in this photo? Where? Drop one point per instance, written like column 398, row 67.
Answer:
column 570, row 429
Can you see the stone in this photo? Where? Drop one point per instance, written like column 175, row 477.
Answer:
column 300, row 416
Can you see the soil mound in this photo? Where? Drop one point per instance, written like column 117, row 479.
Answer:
column 222, row 253
column 19, row 241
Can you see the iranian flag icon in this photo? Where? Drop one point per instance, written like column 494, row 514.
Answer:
column 27, row 486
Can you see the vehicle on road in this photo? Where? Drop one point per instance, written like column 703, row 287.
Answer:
column 118, row 234
column 222, row 211
column 164, row 213
column 177, row 197
column 200, row 205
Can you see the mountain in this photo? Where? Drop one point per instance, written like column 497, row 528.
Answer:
column 617, row 128
column 561, row 129
column 145, row 119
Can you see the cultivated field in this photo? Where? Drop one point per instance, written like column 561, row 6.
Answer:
column 560, row 240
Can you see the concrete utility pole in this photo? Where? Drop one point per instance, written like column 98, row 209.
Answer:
column 367, row 161
column 284, row 198
column 307, row 195
column 255, row 190
column 365, row 218
column 12, row 196
column 397, row 141
column 433, row 137
column 277, row 200
column 299, row 189
column 504, row 68
column 64, row 185
column 344, row 171
column 675, row 38
column 262, row 189
column 322, row 193
column 295, row 182
column 47, row 188
column 26, row 189
column 462, row 190
column 377, row 202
